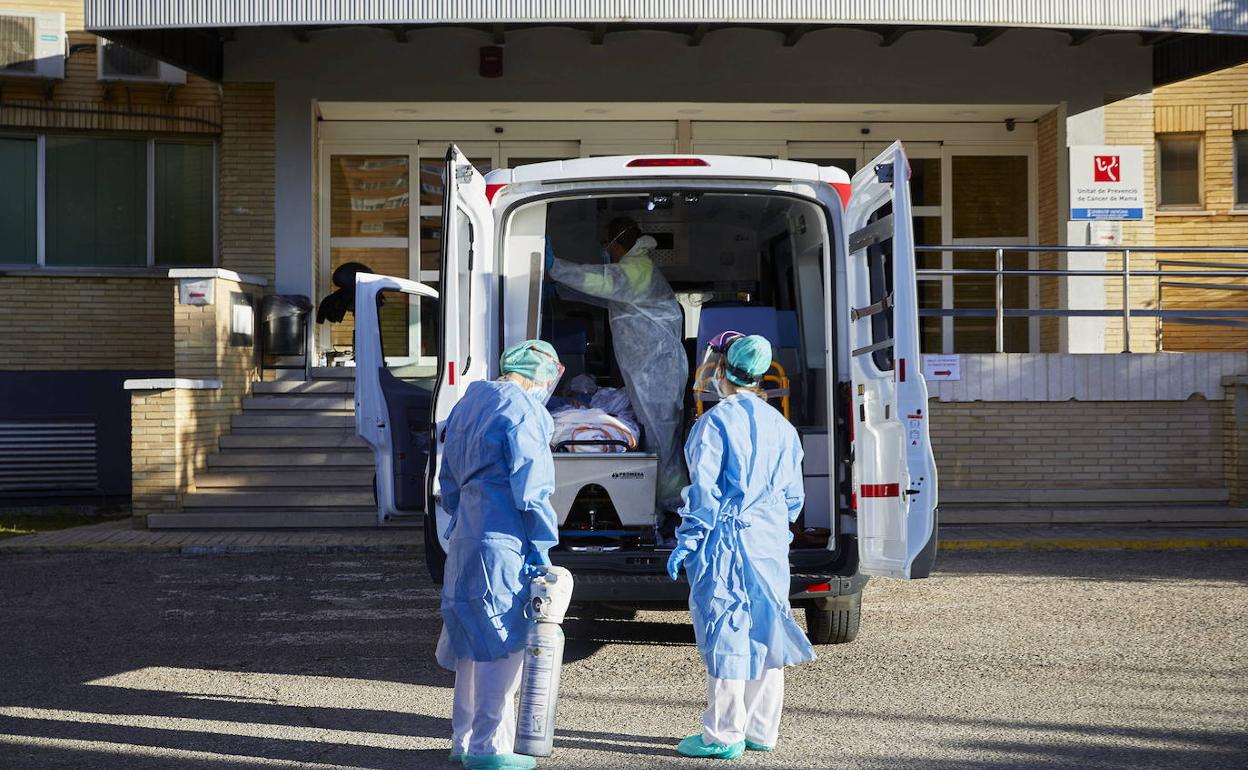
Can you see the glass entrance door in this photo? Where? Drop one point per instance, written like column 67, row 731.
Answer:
column 369, row 214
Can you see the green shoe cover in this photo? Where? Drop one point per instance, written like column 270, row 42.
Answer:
column 499, row 762
column 752, row 746
column 456, row 758
column 694, row 746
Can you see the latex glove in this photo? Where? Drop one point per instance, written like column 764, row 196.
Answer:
column 550, row 255
column 679, row 554
column 535, row 563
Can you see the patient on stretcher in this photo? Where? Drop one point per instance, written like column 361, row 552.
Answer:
column 602, row 418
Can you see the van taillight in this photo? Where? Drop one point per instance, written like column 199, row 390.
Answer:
column 843, row 189
column 818, row 588
column 491, row 190
column 661, row 162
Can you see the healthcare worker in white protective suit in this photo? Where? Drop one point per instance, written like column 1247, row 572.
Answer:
column 745, row 466
column 646, row 332
column 496, row 481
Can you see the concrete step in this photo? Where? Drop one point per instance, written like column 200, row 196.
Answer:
column 289, row 459
column 305, row 387
column 260, row 480
column 333, row 373
column 294, row 420
column 222, row 500
column 295, row 402
column 262, row 519
column 313, row 439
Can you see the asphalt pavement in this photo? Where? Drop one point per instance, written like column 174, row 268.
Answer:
column 1005, row 659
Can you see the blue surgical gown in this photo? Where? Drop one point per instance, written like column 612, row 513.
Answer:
column 745, row 466
column 496, row 481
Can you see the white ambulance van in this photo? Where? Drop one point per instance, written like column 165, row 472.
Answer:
column 821, row 265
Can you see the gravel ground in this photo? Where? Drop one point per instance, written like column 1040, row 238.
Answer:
column 1004, row 660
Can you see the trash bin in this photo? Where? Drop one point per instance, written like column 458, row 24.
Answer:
column 284, row 324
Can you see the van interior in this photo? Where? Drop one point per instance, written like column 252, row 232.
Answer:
column 746, row 262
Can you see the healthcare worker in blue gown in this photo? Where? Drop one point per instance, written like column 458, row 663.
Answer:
column 745, row 468
column 496, row 481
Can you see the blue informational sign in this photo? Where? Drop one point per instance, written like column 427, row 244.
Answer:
column 1130, row 213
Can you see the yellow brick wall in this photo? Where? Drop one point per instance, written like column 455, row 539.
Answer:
column 154, row 465
column 1048, row 156
column 1073, row 444
column 176, row 430
column 190, row 108
column 69, row 322
column 1215, row 106
column 248, row 179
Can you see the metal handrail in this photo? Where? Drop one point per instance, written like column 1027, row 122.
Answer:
column 999, row 273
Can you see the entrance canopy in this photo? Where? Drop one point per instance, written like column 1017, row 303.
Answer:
column 191, row 33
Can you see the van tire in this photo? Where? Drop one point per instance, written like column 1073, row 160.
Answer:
column 835, row 620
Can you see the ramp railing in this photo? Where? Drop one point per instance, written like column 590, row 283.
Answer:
column 1167, row 270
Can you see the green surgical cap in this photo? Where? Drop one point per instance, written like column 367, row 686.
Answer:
column 534, row 359
column 751, row 355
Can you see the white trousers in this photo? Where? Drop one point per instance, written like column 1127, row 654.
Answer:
column 483, row 718
column 739, row 709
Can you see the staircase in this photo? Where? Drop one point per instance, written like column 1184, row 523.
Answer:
column 291, row 459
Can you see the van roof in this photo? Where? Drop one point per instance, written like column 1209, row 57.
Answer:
column 664, row 166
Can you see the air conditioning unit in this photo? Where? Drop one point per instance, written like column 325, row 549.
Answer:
column 32, row 45
column 116, row 62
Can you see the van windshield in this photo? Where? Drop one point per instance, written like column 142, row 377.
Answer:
column 635, row 270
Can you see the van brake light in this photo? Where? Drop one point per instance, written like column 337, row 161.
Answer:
column 661, row 162
column 491, row 190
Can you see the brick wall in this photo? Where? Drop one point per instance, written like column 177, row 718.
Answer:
column 176, row 429
column 71, row 322
column 1213, row 106
column 190, row 108
column 1048, row 158
column 1074, row 444
column 248, row 179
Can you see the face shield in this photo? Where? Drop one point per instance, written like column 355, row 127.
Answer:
column 546, row 377
column 714, row 360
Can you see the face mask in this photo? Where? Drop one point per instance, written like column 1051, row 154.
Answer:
column 721, row 385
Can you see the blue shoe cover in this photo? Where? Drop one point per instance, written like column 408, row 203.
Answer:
column 694, row 746
column 752, row 746
column 499, row 762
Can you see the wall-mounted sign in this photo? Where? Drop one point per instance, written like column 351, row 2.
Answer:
column 195, row 291
column 1106, row 182
column 1105, row 233
column 942, row 368
column 242, row 319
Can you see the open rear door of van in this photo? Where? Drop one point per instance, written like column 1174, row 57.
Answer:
column 394, row 378
column 894, row 471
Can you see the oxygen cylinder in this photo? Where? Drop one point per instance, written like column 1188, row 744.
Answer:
column 551, row 594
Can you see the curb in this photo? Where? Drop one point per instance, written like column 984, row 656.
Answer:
column 1096, row 544
column 210, row 550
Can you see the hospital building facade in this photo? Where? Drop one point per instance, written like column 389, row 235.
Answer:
column 165, row 166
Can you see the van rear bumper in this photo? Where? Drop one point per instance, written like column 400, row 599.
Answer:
column 591, row 586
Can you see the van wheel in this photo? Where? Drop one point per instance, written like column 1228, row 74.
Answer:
column 835, row 620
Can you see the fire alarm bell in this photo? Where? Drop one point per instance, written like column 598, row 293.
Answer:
column 492, row 61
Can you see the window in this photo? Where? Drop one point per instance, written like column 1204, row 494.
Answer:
column 97, row 202
column 184, row 203
column 1241, row 169
column 463, row 262
column 19, row 215
column 107, row 202
column 1178, row 170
